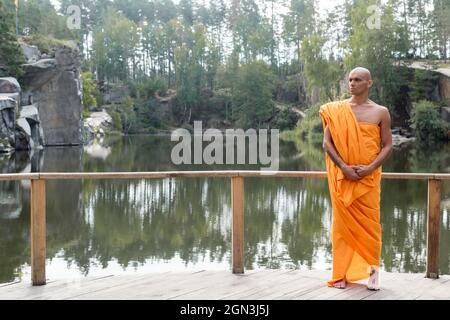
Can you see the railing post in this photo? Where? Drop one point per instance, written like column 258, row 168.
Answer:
column 433, row 226
column 38, row 232
column 237, row 207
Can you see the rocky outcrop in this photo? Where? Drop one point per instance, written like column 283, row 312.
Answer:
column 9, row 85
column 96, row 125
column 113, row 93
column 19, row 130
column 49, row 111
column 442, row 89
column 31, row 53
column 54, row 89
column 445, row 113
column 401, row 137
column 8, row 108
column 30, row 122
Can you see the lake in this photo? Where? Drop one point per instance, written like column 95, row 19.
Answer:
column 130, row 226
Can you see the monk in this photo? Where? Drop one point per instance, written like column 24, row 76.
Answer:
column 357, row 142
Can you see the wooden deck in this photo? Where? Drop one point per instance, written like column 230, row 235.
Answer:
column 217, row 285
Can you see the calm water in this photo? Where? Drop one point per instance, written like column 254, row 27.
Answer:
column 117, row 226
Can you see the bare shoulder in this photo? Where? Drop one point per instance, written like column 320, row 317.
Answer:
column 381, row 111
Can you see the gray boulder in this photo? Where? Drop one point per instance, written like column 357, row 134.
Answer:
column 30, row 122
column 12, row 96
column 31, row 53
column 22, row 139
column 8, row 108
column 53, row 86
column 9, row 85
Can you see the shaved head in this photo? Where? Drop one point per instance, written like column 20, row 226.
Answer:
column 362, row 72
column 360, row 81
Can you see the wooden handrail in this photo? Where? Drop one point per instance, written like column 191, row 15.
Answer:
column 38, row 206
column 196, row 174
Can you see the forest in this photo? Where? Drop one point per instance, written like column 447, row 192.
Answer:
column 232, row 63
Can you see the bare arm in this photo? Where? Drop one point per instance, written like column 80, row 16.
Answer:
column 330, row 148
column 386, row 151
column 386, row 141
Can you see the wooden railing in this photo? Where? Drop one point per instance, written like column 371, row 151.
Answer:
column 38, row 198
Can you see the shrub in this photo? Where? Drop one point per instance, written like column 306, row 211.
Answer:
column 117, row 122
column 89, row 100
column 45, row 44
column 427, row 122
column 310, row 127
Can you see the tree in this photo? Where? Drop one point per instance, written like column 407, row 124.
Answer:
column 11, row 56
column 299, row 22
column 186, row 9
column 245, row 23
column 114, row 47
column 89, row 89
column 441, row 14
column 40, row 17
column 321, row 71
column 252, row 98
column 377, row 48
column 190, row 73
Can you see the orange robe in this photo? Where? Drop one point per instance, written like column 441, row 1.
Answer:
column 356, row 229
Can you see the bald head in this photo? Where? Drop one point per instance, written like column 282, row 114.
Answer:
column 362, row 72
column 360, row 81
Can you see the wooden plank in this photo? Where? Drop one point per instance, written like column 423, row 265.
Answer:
column 230, row 284
column 237, row 205
column 161, row 287
column 209, row 285
column 433, row 226
column 248, row 288
column 38, row 232
column 282, row 289
column 78, row 287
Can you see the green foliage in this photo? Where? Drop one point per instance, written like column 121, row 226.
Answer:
column 89, row 89
column 377, row 47
column 115, row 43
column 427, row 123
column 311, row 128
column 40, row 17
column 190, row 74
column 117, row 122
column 149, row 114
column 423, row 85
column 252, row 99
column 86, row 113
column 320, row 71
column 11, row 56
column 285, row 120
column 45, row 44
column 299, row 22
column 146, row 89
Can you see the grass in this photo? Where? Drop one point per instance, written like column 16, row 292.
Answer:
column 46, row 44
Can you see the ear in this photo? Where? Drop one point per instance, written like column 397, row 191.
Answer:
column 370, row 83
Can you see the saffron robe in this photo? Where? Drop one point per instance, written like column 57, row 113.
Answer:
column 356, row 229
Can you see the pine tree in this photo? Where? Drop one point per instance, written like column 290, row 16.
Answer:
column 11, row 56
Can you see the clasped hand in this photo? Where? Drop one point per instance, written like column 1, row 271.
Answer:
column 357, row 172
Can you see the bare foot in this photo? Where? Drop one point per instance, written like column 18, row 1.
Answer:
column 374, row 280
column 340, row 284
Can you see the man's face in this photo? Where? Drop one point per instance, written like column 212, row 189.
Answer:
column 359, row 83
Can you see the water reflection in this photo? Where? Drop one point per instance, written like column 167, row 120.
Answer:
column 92, row 225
